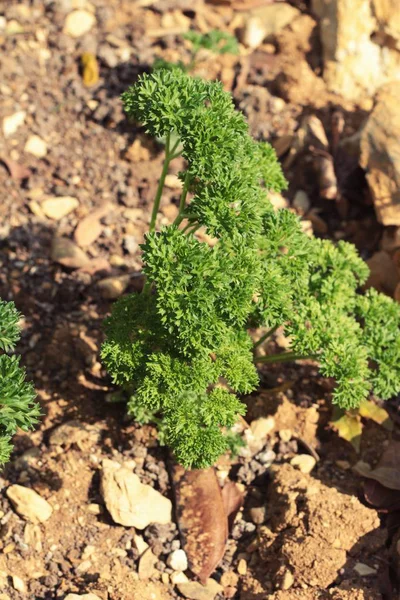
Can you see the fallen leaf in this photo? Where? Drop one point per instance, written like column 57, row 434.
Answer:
column 381, row 497
column 232, row 497
column 202, row 518
column 370, row 410
column 90, row 69
column 16, row 170
column 387, row 471
column 348, row 426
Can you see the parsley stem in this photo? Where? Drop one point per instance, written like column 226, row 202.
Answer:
column 265, row 336
column 284, row 357
column 160, row 188
column 182, row 201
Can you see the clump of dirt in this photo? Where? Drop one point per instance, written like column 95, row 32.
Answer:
column 312, row 536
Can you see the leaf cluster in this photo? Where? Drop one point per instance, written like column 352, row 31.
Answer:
column 182, row 347
column 18, row 409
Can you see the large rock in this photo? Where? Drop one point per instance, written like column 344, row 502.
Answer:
column 29, row 504
column 130, row 502
column 380, row 154
column 359, row 39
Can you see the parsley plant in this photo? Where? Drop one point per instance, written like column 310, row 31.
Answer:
column 18, row 409
column 183, row 344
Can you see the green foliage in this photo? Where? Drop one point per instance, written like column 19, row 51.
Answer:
column 18, row 409
column 215, row 41
column 218, row 42
column 182, row 347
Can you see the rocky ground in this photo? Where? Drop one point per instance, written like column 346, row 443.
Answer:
column 91, row 504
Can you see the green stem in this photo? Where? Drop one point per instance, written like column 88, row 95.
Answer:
column 265, row 336
column 185, row 188
column 164, row 172
column 284, row 357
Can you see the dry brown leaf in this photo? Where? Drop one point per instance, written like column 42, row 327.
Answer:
column 380, row 496
column 233, row 498
column 89, row 228
column 16, row 170
column 387, row 471
column 201, row 517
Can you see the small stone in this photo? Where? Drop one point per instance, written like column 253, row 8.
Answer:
column 364, row 570
column 266, row 458
column 262, row 427
column 147, row 565
column 13, row 122
column 58, row 207
column 277, row 200
column 242, row 567
column 257, row 514
column 229, row 579
column 304, row 462
column 196, row 591
column 177, row 560
column 130, row 502
column 36, row 146
column 82, row 597
column 83, row 567
column 178, row 577
column 254, row 32
column 285, row 435
column 140, row 545
column 113, row 287
column 301, row 202
column 79, row 22
column 130, row 244
column 173, row 182
column 18, row 584
column 29, row 504
column 68, row 254
column 287, row 581
column 95, row 509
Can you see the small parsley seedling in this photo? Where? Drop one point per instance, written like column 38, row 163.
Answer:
column 18, row 409
column 214, row 41
column 183, row 344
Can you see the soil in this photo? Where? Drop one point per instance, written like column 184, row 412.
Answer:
column 309, row 532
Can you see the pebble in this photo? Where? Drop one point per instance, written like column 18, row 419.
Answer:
column 262, row 427
column 147, row 565
column 287, row 580
column 79, row 22
column 285, row 435
column 113, row 287
column 140, row 545
column 304, row 462
column 242, row 567
column 177, row 560
column 301, row 202
column 68, row 254
column 82, row 597
column 29, row 504
column 364, row 570
column 36, row 146
column 130, row 244
column 13, row 122
column 257, row 514
column 178, row 577
column 253, row 33
column 58, row 207
column 173, row 182
column 18, row 584
column 130, row 502
column 196, row 591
